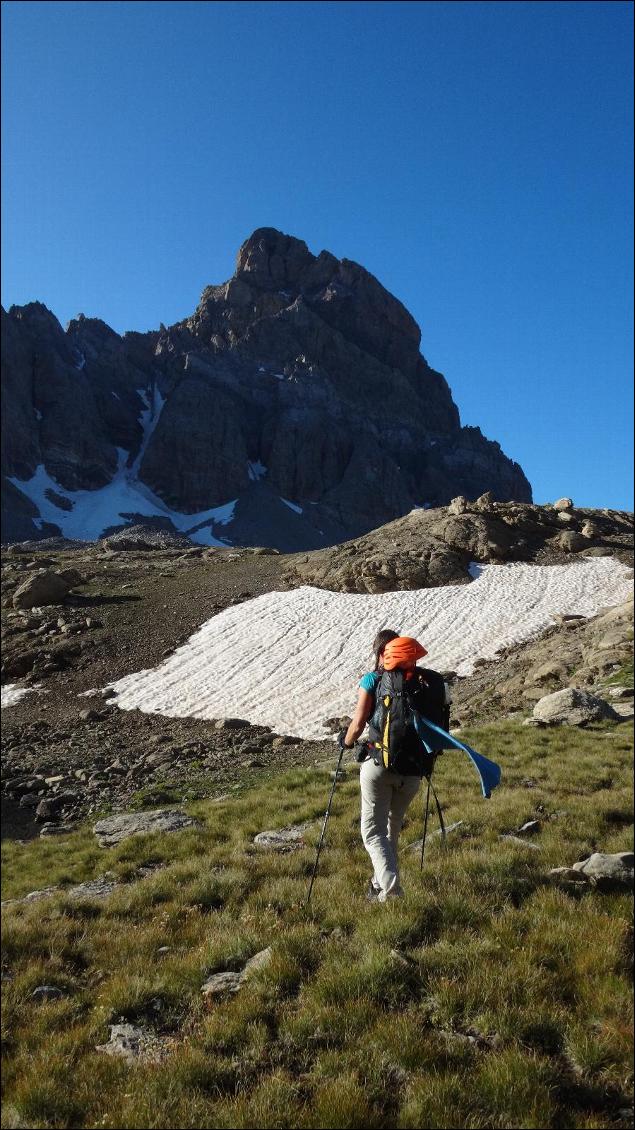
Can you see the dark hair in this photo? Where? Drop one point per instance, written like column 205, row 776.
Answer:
column 380, row 641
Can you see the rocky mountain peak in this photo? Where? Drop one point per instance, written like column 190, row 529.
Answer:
column 292, row 409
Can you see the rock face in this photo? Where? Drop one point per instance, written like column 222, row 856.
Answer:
column 299, row 381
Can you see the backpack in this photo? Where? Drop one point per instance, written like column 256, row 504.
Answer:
column 401, row 696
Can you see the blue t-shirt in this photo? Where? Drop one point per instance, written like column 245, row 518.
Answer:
column 370, row 682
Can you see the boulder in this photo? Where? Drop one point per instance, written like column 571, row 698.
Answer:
column 114, row 829
column 571, row 707
column 72, row 576
column 609, row 872
column 458, row 505
column 563, row 504
column 571, row 541
column 43, row 588
column 232, row 724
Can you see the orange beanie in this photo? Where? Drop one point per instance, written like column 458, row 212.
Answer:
column 402, row 652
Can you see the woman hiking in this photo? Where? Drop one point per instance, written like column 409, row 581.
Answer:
column 385, row 793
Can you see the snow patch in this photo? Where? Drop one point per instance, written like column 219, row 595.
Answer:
column 292, row 505
column 256, row 470
column 13, row 692
column 293, row 659
column 93, row 511
column 148, row 419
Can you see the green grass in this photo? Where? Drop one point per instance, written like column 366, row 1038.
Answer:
column 363, row 1016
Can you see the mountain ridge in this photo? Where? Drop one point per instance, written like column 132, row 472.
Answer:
column 295, row 391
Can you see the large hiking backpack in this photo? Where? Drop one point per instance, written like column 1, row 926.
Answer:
column 402, row 697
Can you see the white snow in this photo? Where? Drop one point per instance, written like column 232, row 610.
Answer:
column 256, row 470
column 94, row 510
column 12, row 693
column 148, row 419
column 290, row 660
column 292, row 505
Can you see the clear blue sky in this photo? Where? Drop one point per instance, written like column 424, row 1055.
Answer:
column 476, row 157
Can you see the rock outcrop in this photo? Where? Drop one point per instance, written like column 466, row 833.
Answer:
column 297, row 388
column 427, row 548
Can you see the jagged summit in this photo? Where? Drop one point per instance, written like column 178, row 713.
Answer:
column 293, row 409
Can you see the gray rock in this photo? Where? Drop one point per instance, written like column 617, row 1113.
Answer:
column 435, row 834
column 517, row 840
column 258, row 961
column 134, row 1044
column 48, row 808
column 458, row 505
column 563, row 504
column 568, row 877
column 221, row 984
column 43, row 588
column 608, row 872
column 572, row 542
column 33, row 896
column 50, row 829
column 99, row 888
column 530, row 828
column 114, row 829
column 46, row 993
column 228, row 983
column 232, row 724
column 571, row 707
column 283, row 839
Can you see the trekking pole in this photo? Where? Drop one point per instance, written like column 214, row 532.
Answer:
column 425, row 823
column 326, row 817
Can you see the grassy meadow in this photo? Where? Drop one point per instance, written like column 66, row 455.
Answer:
column 485, row 998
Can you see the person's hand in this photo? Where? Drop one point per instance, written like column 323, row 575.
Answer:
column 341, row 739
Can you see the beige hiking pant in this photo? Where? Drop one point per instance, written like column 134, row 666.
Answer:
column 385, row 798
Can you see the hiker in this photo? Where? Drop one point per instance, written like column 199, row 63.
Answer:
column 386, row 793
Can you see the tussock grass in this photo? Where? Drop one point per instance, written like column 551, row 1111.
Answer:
column 485, row 998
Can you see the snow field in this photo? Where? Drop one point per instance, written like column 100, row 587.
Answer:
column 290, row 660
